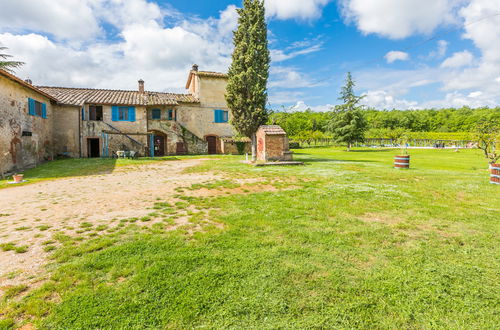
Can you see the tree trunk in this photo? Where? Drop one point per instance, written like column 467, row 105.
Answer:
column 349, row 146
column 254, row 147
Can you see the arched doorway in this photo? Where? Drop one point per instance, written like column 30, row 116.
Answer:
column 159, row 144
column 212, row 144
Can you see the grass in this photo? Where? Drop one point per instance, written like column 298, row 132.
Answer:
column 355, row 244
column 13, row 247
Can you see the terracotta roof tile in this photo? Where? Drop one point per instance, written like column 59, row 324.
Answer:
column 272, row 129
column 80, row 96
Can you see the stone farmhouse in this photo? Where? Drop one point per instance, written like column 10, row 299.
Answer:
column 40, row 123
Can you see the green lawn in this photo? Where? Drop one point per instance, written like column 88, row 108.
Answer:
column 349, row 242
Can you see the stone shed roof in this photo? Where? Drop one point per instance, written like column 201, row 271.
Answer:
column 80, row 96
column 25, row 84
column 272, row 130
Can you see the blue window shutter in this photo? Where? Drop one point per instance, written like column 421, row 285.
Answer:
column 114, row 113
column 217, row 116
column 44, row 110
column 131, row 113
column 83, row 113
column 31, row 106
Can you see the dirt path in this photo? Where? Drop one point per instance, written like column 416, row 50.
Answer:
column 30, row 214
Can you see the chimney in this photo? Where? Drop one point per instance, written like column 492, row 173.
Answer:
column 141, row 86
column 28, row 80
column 195, row 67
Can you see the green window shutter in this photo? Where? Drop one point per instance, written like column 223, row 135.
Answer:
column 131, row 113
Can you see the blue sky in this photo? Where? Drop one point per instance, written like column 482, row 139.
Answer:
column 402, row 53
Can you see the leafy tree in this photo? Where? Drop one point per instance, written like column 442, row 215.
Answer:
column 488, row 137
column 246, row 92
column 348, row 123
column 7, row 65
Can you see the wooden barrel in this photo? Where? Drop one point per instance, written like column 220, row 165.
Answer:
column 402, row 161
column 495, row 173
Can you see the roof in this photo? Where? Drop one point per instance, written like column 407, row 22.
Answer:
column 272, row 129
column 25, row 84
column 204, row 74
column 80, row 96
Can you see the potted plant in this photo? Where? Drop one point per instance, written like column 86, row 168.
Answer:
column 487, row 138
column 18, row 178
column 403, row 159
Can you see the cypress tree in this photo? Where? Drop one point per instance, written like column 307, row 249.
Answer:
column 348, row 123
column 246, row 92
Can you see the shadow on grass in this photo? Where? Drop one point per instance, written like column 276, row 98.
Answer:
column 64, row 168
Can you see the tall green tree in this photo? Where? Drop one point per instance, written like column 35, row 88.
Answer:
column 5, row 63
column 348, row 123
column 246, row 92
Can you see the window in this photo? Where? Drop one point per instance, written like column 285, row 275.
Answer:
column 123, row 113
column 170, row 114
column 119, row 113
column 221, row 116
column 36, row 108
column 95, row 112
column 156, row 114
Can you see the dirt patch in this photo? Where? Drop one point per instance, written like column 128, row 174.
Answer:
column 246, row 189
column 31, row 214
column 409, row 228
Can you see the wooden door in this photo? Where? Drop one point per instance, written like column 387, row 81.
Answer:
column 181, row 149
column 212, row 145
column 159, row 141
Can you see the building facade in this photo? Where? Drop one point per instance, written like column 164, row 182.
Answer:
column 40, row 123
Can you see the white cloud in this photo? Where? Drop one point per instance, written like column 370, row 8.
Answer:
column 458, row 60
column 296, row 49
column 302, row 106
column 63, row 19
column 289, row 77
column 380, row 99
column 161, row 56
column 295, row 9
column 398, row 19
column 440, row 52
column 395, row 55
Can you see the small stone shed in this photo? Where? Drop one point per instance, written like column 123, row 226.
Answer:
column 272, row 144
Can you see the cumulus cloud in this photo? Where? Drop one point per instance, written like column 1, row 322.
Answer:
column 380, row 99
column 289, row 77
column 458, row 60
column 442, row 47
column 398, row 19
column 54, row 17
column 295, row 9
column 394, row 55
column 302, row 106
column 145, row 49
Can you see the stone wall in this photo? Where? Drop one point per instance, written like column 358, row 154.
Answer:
column 134, row 136
column 18, row 151
column 176, row 133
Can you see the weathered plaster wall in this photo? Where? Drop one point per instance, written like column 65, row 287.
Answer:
column 16, row 151
column 66, row 131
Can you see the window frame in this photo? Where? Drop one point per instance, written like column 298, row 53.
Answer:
column 121, row 114
column 93, row 110
column 154, row 112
